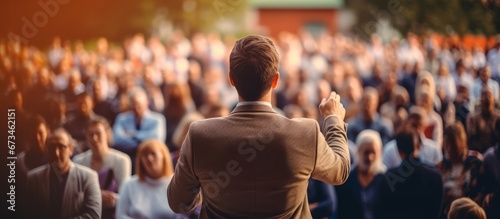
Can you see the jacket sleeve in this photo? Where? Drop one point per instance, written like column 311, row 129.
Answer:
column 184, row 190
column 333, row 163
column 92, row 199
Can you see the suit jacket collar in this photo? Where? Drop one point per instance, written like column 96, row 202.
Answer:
column 253, row 108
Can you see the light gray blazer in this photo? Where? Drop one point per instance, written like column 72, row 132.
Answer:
column 81, row 199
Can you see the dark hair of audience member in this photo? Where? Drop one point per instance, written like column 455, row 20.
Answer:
column 406, row 141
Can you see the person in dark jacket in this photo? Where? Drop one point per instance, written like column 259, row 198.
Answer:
column 412, row 190
column 358, row 195
column 321, row 198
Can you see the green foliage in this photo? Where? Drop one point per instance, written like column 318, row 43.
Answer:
column 420, row 16
column 114, row 19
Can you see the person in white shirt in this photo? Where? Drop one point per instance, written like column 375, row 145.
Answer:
column 145, row 195
column 482, row 80
column 429, row 152
column 445, row 83
column 462, row 77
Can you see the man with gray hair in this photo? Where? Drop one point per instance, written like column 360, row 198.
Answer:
column 138, row 125
column 61, row 188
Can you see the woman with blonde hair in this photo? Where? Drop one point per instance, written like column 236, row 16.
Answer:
column 465, row 208
column 145, row 195
column 357, row 196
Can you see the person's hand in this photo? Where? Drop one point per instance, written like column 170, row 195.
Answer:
column 312, row 206
column 108, row 199
column 487, row 200
column 332, row 106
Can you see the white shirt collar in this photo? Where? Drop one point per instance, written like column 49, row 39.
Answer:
column 245, row 103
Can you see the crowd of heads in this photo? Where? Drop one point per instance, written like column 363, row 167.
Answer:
column 447, row 93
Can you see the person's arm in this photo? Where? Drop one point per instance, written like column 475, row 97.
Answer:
column 333, row 163
column 123, row 203
column 122, row 175
column 123, row 171
column 184, row 189
column 123, row 139
column 92, row 201
column 325, row 207
column 156, row 129
column 437, row 133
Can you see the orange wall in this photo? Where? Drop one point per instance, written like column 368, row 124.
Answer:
column 292, row 20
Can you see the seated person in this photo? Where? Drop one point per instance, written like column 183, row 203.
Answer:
column 112, row 166
column 80, row 120
column 34, row 155
column 370, row 118
column 145, row 195
column 62, row 189
column 481, row 123
column 133, row 127
column 358, row 195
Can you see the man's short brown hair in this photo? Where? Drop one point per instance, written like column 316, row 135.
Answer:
column 253, row 63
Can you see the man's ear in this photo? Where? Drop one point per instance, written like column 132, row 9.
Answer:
column 275, row 80
column 72, row 150
column 231, row 80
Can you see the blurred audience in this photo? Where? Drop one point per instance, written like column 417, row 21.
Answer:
column 379, row 81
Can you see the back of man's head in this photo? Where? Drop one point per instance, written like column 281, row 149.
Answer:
column 253, row 63
column 405, row 142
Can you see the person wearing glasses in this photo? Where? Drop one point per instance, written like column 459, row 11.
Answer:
column 112, row 166
column 61, row 188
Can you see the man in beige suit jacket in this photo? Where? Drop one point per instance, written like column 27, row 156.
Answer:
column 62, row 189
column 256, row 163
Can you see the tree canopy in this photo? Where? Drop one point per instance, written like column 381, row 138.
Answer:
column 419, row 16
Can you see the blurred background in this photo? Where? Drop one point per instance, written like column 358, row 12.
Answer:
column 39, row 21
column 430, row 66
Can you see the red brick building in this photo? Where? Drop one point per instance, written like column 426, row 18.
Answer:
column 275, row 16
